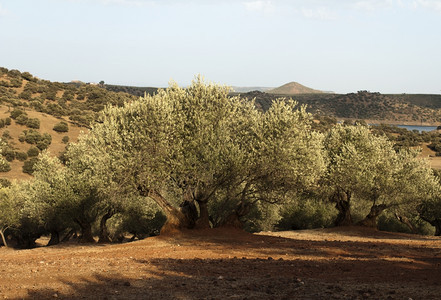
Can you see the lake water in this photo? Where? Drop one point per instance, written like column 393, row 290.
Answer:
column 419, row 128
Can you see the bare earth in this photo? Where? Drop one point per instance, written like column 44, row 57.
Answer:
column 349, row 263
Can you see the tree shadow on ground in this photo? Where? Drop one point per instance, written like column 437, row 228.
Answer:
column 241, row 278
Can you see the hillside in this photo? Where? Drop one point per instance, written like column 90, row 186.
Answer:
column 363, row 105
column 340, row 263
column 30, row 108
column 293, row 88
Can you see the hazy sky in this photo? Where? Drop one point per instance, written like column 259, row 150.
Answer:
column 389, row 46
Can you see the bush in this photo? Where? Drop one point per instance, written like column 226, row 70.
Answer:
column 4, row 165
column 22, row 119
column 306, row 215
column 28, row 166
column 43, row 144
column 21, row 156
column 8, row 121
column 9, row 154
column 33, row 123
column 6, row 135
column 32, row 136
column 61, row 127
column 2, row 123
column 17, row 112
column 25, row 95
column 33, row 151
column 65, row 139
column 22, row 137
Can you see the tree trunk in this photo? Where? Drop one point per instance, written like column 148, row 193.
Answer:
column 176, row 220
column 68, row 235
column 55, row 238
column 371, row 219
column 233, row 220
column 437, row 225
column 342, row 201
column 188, row 208
column 204, row 219
column 86, row 232
column 104, row 233
column 3, row 238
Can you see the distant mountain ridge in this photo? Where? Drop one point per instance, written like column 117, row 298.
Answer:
column 247, row 89
column 293, row 88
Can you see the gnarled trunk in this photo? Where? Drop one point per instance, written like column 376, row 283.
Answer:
column 176, row 220
column 2, row 234
column 233, row 220
column 371, row 219
column 104, row 233
column 55, row 238
column 342, row 200
column 203, row 222
column 437, row 224
column 69, row 235
column 86, row 232
column 188, row 209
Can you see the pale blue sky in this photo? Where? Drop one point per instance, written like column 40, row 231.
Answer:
column 389, row 46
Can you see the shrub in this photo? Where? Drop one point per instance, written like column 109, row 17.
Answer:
column 8, row 121
column 2, row 123
column 4, row 165
column 9, row 154
column 43, row 144
column 16, row 82
column 21, row 156
column 28, row 76
column 6, row 134
column 17, row 112
column 33, row 151
column 65, row 139
column 25, row 95
column 33, row 123
column 61, row 127
column 22, row 119
column 22, row 137
column 306, row 215
column 32, row 136
column 28, row 166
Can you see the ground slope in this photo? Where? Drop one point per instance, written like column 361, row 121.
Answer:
column 316, row 264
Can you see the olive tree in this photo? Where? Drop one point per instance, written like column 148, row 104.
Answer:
column 194, row 148
column 9, row 213
column 52, row 196
column 366, row 168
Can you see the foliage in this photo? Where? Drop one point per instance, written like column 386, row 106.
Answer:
column 61, row 127
column 306, row 214
column 200, row 145
column 33, row 151
column 33, row 123
column 28, row 166
column 16, row 113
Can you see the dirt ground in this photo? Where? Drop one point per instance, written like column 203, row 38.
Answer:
column 348, row 263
